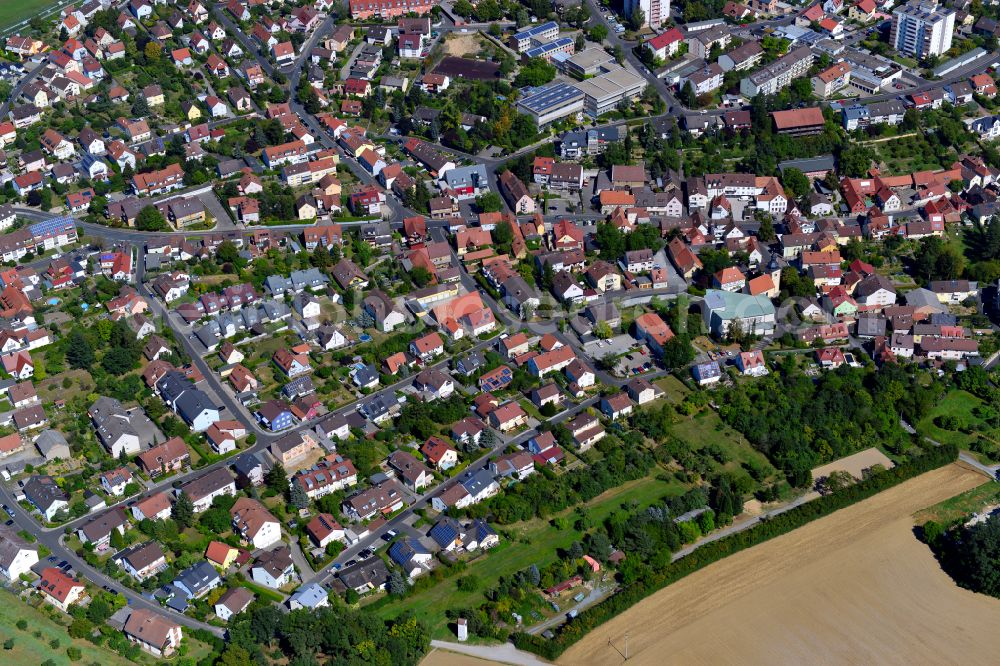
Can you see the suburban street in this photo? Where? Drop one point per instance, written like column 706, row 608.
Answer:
column 51, row 537
column 231, row 408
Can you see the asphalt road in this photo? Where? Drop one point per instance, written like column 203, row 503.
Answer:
column 19, row 88
column 51, row 537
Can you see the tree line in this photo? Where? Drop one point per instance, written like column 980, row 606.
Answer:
column 336, row 634
column 656, row 579
column 798, row 422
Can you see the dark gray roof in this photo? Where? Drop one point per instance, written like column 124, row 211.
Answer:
column 192, row 404
column 172, row 385
column 405, row 550
column 379, row 405
column 43, row 492
column 197, row 577
column 820, row 163
column 370, row 572
column 246, row 463
column 445, row 531
column 871, row 326
column 471, row 361
column 48, row 440
column 475, row 483
column 141, row 555
column 100, row 527
column 365, row 374
column 207, row 484
column 298, row 386
column 10, row 545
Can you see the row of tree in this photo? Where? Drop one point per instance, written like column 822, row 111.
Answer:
column 652, row 579
column 799, row 422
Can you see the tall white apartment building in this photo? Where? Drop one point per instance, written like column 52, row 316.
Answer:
column 656, row 12
column 922, row 28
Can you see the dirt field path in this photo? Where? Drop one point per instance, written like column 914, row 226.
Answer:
column 438, row 657
column 853, row 588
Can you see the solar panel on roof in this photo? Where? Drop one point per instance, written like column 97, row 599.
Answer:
column 51, row 226
column 554, row 45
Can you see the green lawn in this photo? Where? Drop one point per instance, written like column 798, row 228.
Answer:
column 958, row 404
column 534, row 542
column 263, row 592
column 31, row 650
column 15, row 11
column 673, row 388
column 961, row 505
column 706, row 430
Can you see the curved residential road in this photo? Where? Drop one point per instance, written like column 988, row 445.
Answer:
column 19, row 88
column 52, row 539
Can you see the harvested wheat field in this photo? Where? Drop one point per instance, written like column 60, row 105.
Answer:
column 855, row 587
column 854, row 464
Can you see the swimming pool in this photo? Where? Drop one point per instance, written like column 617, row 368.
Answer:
column 54, row 301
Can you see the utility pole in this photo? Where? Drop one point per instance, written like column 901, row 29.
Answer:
column 626, row 646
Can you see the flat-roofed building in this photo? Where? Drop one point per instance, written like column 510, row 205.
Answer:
column 779, row 74
column 922, row 28
column 603, row 93
column 551, row 102
column 538, row 34
column 548, row 50
column 588, row 62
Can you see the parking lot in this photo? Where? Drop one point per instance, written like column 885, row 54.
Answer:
column 615, row 346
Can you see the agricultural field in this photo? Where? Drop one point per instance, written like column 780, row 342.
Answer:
column 15, row 11
column 960, row 506
column 856, row 584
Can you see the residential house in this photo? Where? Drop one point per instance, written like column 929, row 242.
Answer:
column 254, row 523
column 233, row 602
column 142, row 561
column 153, row 632
column 59, row 589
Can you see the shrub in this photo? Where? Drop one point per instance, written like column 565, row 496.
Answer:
column 649, row 580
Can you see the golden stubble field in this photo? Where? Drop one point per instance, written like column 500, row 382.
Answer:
column 855, row 587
